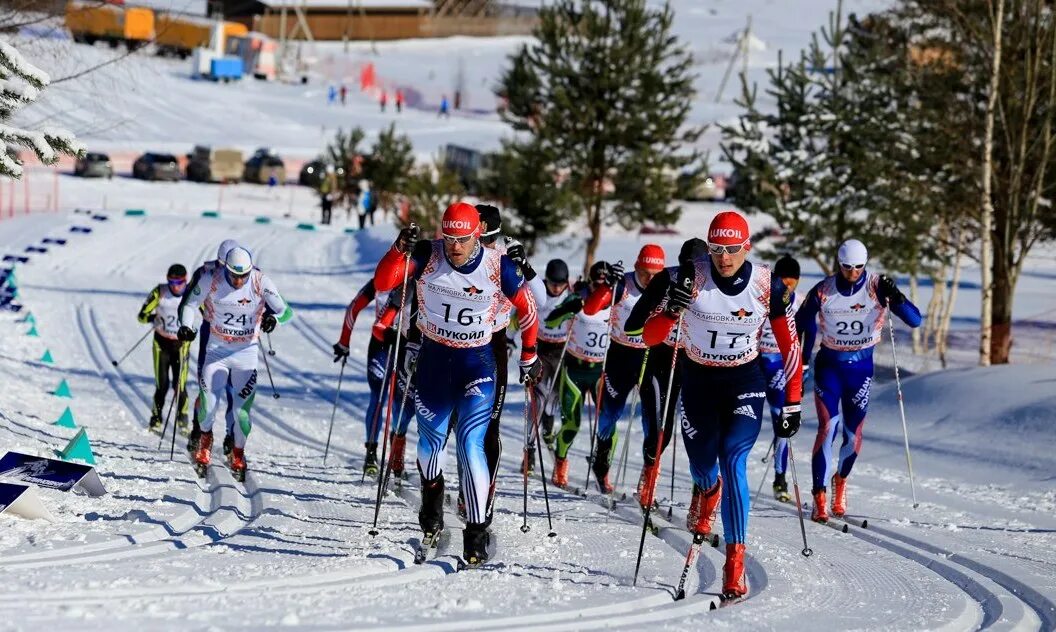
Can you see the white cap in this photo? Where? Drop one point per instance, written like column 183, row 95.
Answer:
column 225, row 247
column 239, row 262
column 853, row 253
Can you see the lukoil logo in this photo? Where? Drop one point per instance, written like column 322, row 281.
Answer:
column 725, row 232
column 458, row 223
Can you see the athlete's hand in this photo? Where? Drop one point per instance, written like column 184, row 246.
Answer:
column 789, row 424
column 410, row 357
column 515, row 251
column 146, row 318
column 340, row 352
column 680, row 294
column 531, row 371
column 407, row 238
column 890, row 291
column 614, row 273
column 267, row 325
column 185, row 334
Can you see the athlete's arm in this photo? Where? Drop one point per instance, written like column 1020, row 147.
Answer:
column 150, row 305
column 601, row 298
column 889, row 294
column 192, row 300
column 515, row 289
column 362, row 299
column 783, row 322
column 807, row 321
column 390, row 271
column 274, row 301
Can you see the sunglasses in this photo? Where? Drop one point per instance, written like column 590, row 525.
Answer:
column 178, row 281
column 849, row 267
column 718, row 249
column 458, row 240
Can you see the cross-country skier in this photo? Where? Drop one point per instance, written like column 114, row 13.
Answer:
column 378, row 350
column 723, row 301
column 405, row 389
column 658, row 371
column 849, row 309
column 588, row 340
column 170, row 355
column 626, row 353
column 234, row 299
column 787, row 270
column 550, row 291
column 460, row 285
column 203, row 343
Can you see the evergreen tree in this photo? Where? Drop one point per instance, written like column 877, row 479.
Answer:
column 390, row 161
column 344, row 152
column 430, row 189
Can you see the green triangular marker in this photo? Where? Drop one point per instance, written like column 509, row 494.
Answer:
column 78, row 449
column 66, row 419
column 28, row 318
column 46, row 358
column 63, row 390
column 32, row 333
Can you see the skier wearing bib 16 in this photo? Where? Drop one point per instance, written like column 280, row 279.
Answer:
column 234, row 298
column 787, row 269
column 170, row 354
column 849, row 308
column 626, row 353
column 723, row 301
column 460, row 287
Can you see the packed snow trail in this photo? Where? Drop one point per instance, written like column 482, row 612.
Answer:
column 290, row 547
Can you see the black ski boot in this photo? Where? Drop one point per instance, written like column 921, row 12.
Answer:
column 155, row 422
column 229, row 443
column 475, row 540
column 370, row 463
column 781, row 488
column 431, row 515
column 181, row 423
column 602, row 459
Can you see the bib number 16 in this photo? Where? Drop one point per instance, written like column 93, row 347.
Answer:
column 463, row 317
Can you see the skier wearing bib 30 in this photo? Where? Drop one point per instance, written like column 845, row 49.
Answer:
column 460, row 286
column 588, row 339
column 849, row 308
column 787, row 270
column 170, row 355
column 723, row 301
column 234, row 299
column 626, row 353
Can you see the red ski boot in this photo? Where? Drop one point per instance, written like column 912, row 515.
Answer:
column 820, row 513
column 201, row 457
column 734, row 582
column 560, row 477
column 702, row 508
column 647, row 485
column 399, row 446
column 839, row 496
column 237, row 462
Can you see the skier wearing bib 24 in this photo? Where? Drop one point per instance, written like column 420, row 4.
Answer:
column 724, row 300
column 170, row 354
column 623, row 366
column 851, row 306
column 460, row 286
column 234, row 299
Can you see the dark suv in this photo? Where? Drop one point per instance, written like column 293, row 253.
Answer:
column 151, row 166
column 94, row 165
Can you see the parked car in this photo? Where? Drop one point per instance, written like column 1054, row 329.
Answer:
column 214, row 165
column 152, row 166
column 312, row 173
column 471, row 166
column 263, row 166
column 708, row 187
column 94, row 165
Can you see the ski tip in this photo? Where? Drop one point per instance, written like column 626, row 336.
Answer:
column 714, row 606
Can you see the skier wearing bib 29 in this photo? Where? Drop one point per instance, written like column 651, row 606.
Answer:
column 723, row 301
column 234, row 299
column 460, row 288
column 170, row 354
column 849, row 309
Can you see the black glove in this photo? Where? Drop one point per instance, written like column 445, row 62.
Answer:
column 680, row 293
column 614, row 273
column 515, row 251
column 267, row 325
column 407, row 238
column 185, row 334
column 410, row 357
column 890, row 291
column 531, row 372
column 789, row 424
column 340, row 352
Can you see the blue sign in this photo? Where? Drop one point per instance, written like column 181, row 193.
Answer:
column 45, row 472
column 9, row 493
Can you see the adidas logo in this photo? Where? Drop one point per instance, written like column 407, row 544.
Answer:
column 745, row 410
column 475, row 392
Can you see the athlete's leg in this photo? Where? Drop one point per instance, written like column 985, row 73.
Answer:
column 742, row 419
column 856, row 388
column 474, row 389
column 377, row 366
column 184, row 364
column 203, row 349
column 243, row 381
column 774, row 370
column 213, row 381
column 827, row 389
column 161, row 377
column 577, row 380
column 698, row 412
column 654, row 390
column 492, row 441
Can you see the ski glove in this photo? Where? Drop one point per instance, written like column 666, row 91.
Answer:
column 267, row 325
column 515, row 251
column 146, row 318
column 614, row 274
column 890, row 291
column 340, row 352
column 789, row 424
column 531, row 371
column 185, row 333
column 410, row 357
column 407, row 238
column 679, row 295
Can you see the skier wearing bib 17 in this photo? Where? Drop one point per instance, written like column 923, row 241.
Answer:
column 234, row 298
column 460, row 285
column 170, row 354
column 624, row 363
column 849, row 308
column 721, row 302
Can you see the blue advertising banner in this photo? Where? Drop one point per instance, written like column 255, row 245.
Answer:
column 50, row 473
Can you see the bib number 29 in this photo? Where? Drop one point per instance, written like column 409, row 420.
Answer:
column 850, row 327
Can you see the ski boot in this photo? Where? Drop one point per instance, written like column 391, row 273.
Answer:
column 647, row 484
column 489, row 509
column 399, row 446
column 237, row 462
column 839, row 496
column 182, row 425
column 601, row 465
column 781, row 488
column 229, row 443
column 196, row 432
column 201, row 456
column 475, row 540
column 560, row 477
column 431, row 515
column 820, row 513
column 734, row 582
column 549, row 436
column 370, row 462
column 460, row 507
column 702, row 508
column 155, row 422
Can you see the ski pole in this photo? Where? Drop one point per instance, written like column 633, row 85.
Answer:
column 527, row 455
column 392, row 391
column 694, row 549
column 902, row 411
column 542, row 475
column 165, row 427
column 621, row 476
column 807, row 551
column 594, row 395
column 390, row 361
column 129, row 352
column 274, row 393
column 271, row 348
column 766, row 459
column 674, row 455
column 333, row 413
column 659, row 443
column 176, row 394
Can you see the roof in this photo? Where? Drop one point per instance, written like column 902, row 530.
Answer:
column 346, row 4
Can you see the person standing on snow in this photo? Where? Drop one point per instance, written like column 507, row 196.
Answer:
column 459, row 287
column 850, row 306
column 170, row 355
column 550, row 291
column 626, row 353
column 722, row 302
column 366, row 205
column 787, row 270
column 327, row 193
column 234, row 299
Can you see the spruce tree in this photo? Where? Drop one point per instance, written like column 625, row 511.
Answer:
column 387, row 167
column 344, row 152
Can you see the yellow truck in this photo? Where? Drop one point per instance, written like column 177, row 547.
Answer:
column 179, row 35
column 91, row 23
